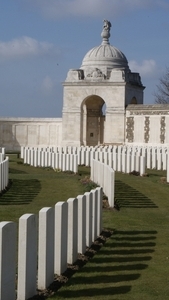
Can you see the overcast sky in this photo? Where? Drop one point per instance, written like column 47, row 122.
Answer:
column 40, row 40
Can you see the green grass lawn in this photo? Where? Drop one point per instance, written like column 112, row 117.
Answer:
column 134, row 261
column 34, row 188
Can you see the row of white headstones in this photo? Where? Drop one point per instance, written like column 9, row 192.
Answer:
column 114, row 156
column 50, row 240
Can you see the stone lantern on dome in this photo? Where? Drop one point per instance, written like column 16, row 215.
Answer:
column 106, row 32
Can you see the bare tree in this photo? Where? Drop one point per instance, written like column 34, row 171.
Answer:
column 162, row 93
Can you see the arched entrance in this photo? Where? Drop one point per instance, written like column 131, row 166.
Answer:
column 93, row 121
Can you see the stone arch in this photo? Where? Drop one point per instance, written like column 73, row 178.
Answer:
column 133, row 100
column 93, row 120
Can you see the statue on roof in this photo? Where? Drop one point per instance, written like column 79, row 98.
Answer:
column 106, row 25
column 106, row 32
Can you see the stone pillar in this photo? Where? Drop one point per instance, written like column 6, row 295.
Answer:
column 71, row 126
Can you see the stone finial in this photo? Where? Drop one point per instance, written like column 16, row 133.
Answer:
column 106, row 32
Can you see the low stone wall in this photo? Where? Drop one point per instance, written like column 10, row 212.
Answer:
column 17, row 132
column 64, row 231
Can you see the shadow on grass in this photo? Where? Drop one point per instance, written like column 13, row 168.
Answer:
column 15, row 171
column 93, row 292
column 20, row 192
column 127, row 196
column 108, row 271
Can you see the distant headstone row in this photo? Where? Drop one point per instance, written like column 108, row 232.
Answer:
column 67, row 158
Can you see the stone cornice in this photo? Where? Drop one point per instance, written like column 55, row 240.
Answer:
column 147, row 107
column 37, row 120
column 154, row 109
column 89, row 83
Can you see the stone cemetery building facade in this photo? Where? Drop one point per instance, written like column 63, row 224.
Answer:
column 102, row 104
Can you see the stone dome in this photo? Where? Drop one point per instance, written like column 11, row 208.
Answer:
column 105, row 55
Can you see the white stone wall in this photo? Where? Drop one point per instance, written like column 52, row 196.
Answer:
column 155, row 129
column 138, row 129
column 17, row 132
column 167, row 130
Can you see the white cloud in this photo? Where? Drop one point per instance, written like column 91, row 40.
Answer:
column 23, row 47
column 102, row 8
column 147, row 68
column 48, row 85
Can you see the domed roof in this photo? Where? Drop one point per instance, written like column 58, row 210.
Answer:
column 105, row 55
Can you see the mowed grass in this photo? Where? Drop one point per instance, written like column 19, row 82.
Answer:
column 34, row 188
column 134, row 261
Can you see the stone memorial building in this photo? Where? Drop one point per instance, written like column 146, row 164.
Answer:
column 102, row 104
